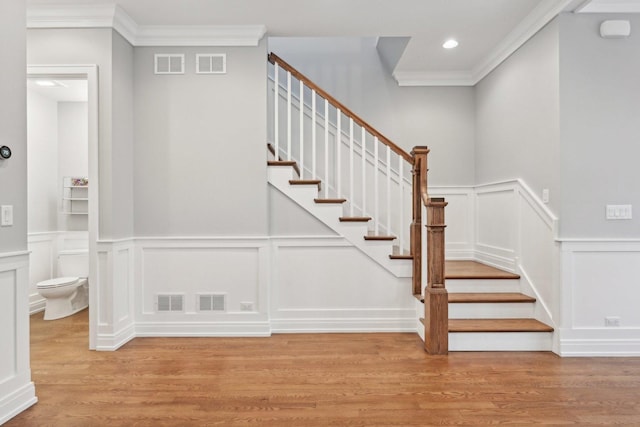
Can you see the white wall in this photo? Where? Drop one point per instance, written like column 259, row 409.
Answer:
column 600, row 100
column 73, row 158
column 200, row 146
column 42, row 154
column 351, row 70
column 16, row 389
column 517, row 118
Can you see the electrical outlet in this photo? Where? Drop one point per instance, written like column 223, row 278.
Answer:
column 246, row 306
column 612, row 322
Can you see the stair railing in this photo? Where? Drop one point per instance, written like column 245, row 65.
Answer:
column 360, row 166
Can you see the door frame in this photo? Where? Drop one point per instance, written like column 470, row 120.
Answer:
column 90, row 73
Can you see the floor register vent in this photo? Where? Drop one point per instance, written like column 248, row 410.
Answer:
column 170, row 303
column 213, row 302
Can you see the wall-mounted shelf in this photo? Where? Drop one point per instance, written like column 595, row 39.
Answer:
column 75, row 195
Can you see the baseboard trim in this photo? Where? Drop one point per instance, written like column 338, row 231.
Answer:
column 598, row 342
column 203, row 329
column 112, row 342
column 36, row 306
column 313, row 326
column 17, row 401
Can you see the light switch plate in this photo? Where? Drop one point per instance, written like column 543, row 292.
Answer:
column 6, row 215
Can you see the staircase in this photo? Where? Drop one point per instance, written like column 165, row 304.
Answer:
column 487, row 311
column 356, row 181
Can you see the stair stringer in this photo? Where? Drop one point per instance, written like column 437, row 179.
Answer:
column 329, row 214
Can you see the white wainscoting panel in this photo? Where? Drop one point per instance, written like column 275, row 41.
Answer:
column 460, row 219
column 496, row 225
column 235, row 267
column 328, row 285
column 600, row 279
column 17, row 391
column 115, row 309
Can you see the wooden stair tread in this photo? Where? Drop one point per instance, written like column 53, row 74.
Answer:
column 304, row 181
column 329, row 200
column 398, row 256
column 278, row 159
column 500, row 297
column 475, row 270
column 355, row 219
column 379, row 237
column 498, row 325
column 281, row 163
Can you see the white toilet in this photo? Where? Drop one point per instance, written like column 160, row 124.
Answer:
column 68, row 294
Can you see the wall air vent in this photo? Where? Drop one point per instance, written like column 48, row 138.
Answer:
column 170, row 302
column 169, row 63
column 215, row 302
column 211, row 63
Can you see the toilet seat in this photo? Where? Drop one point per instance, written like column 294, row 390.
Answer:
column 57, row 282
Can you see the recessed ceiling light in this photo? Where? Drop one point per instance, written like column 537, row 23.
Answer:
column 450, row 44
column 46, row 83
column 50, row 83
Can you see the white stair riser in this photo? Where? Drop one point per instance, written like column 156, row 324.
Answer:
column 482, row 285
column 500, row 341
column 491, row 310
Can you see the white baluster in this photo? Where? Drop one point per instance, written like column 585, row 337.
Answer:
column 301, row 130
column 276, row 95
column 313, row 134
column 376, row 196
column 289, row 124
column 401, row 181
column 351, row 197
column 388, row 191
column 363, row 145
column 326, row 149
column 338, row 156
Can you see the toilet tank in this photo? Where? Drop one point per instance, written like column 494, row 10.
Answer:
column 73, row 263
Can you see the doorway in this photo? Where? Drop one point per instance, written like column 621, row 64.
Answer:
column 76, row 215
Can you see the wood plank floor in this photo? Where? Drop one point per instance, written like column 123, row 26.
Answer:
column 315, row 380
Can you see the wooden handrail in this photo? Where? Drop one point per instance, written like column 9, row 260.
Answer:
column 273, row 58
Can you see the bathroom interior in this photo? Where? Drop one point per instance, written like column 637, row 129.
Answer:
column 58, row 238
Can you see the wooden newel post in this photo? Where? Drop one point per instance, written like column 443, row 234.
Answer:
column 436, row 304
column 420, row 169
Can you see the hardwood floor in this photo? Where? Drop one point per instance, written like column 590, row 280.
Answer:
column 315, row 380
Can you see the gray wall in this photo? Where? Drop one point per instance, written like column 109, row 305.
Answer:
column 517, row 118
column 13, row 123
column 350, row 69
column 122, row 161
column 82, row 47
column 200, row 146
column 600, row 129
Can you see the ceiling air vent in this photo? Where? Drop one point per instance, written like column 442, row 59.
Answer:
column 170, row 302
column 211, row 63
column 169, row 63
column 215, row 302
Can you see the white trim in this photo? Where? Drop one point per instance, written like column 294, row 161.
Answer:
column 204, row 329
column 609, row 6
column 429, row 78
column 113, row 16
column 18, row 401
column 112, row 342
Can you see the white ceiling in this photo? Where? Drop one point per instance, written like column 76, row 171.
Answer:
column 66, row 90
column 488, row 30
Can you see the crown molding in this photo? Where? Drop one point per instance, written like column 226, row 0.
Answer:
column 427, row 78
column 534, row 22
column 113, row 16
column 609, row 6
